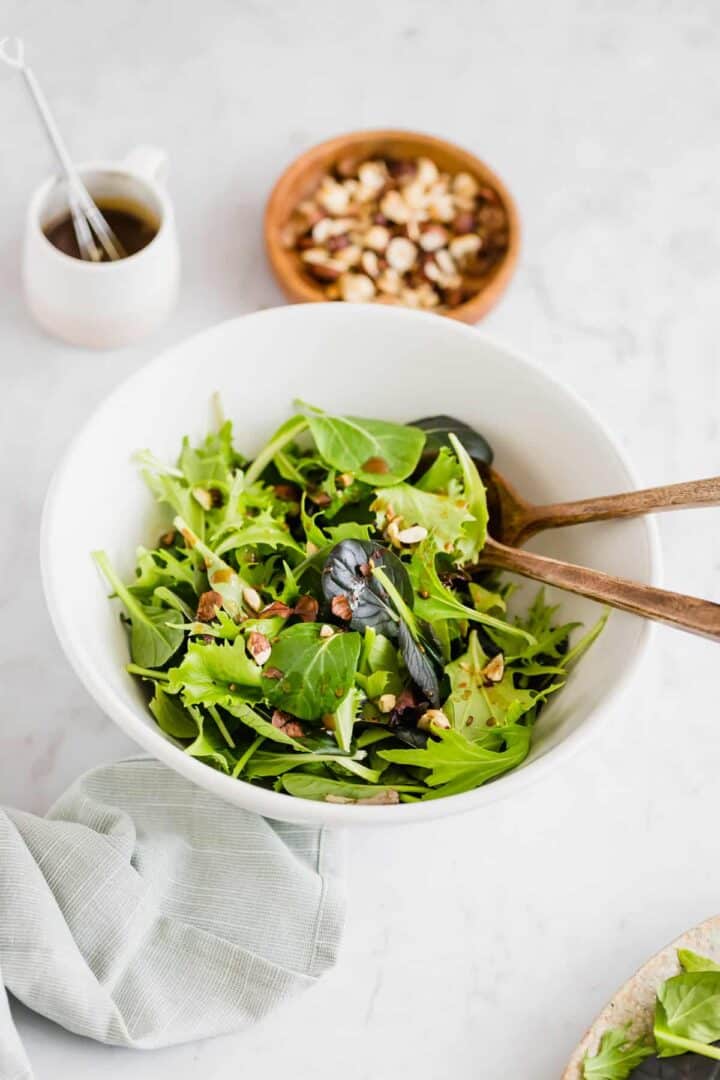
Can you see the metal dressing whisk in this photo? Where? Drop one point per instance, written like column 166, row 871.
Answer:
column 86, row 216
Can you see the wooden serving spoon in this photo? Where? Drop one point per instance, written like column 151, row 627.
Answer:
column 513, row 520
column 689, row 613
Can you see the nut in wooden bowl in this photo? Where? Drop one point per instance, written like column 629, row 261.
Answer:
column 393, row 217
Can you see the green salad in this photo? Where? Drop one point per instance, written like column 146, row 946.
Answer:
column 686, row 1030
column 314, row 620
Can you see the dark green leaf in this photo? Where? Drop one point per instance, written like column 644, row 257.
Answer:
column 439, row 428
column 347, row 573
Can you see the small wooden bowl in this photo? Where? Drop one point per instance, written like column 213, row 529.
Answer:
column 300, row 180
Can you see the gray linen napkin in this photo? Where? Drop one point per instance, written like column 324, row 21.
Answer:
column 143, row 911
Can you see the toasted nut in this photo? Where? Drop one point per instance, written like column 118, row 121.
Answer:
column 433, row 237
column 356, row 288
column 344, row 480
column 252, row 599
column 328, row 721
column 377, row 237
column 401, row 254
column 386, row 798
column 427, row 172
column 433, row 718
column 316, row 256
column 370, row 263
column 307, row 608
column 394, row 207
column 495, row 669
column 465, row 185
column 349, row 256
column 340, row 607
column 386, row 703
column 329, row 227
column 389, row 282
column 288, row 724
column 416, row 195
column 373, row 176
column 337, row 243
column 276, row 610
column 427, row 295
column 442, row 208
column 392, row 532
column 259, row 647
column 208, row 606
column 445, row 261
column 332, row 196
column 326, row 631
column 464, row 222
column 203, row 497
column 462, row 247
column 310, row 211
column 413, row 535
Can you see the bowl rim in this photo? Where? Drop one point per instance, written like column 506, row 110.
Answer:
column 278, row 805
column 298, row 287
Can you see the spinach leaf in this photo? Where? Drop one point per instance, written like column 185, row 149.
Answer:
column 315, row 672
column 152, row 640
column 616, row 1057
column 347, row 574
column 692, row 961
column 439, row 428
column 458, row 765
column 171, row 717
column 377, row 452
column 687, row 1015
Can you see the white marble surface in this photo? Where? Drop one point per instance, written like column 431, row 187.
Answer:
column 477, row 947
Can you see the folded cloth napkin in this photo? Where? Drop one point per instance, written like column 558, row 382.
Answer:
column 143, row 911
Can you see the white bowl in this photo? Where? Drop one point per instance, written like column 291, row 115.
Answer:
column 370, row 361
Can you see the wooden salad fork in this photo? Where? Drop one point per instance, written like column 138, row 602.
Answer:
column 688, row 613
column 513, row 520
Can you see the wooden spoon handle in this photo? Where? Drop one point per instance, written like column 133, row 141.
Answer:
column 632, row 504
column 684, row 612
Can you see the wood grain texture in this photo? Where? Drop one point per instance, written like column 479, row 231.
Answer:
column 302, row 177
column 513, row 520
column 696, row 616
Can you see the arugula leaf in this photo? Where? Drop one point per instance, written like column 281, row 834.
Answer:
column 475, row 703
column 318, row 787
column 209, row 745
column 275, row 763
column 434, row 602
column 264, row 529
column 316, row 672
column 169, row 486
column 284, row 435
column 475, row 531
column 152, row 639
column 377, row 452
column 212, row 461
column 616, row 1057
column 460, row 765
column 222, row 577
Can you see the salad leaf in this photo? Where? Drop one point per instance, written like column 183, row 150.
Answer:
column 617, row 1056
column 171, row 717
column 153, row 638
column 216, row 674
column 443, row 517
column 284, row 435
column 347, row 575
column 439, row 428
column 687, row 1015
column 377, row 452
column 475, row 531
column 460, row 765
column 319, row 787
column 476, row 704
column 314, row 673
column 692, row 961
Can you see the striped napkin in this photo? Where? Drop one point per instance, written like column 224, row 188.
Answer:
column 143, row 911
